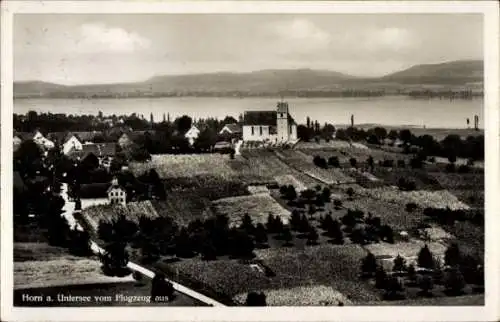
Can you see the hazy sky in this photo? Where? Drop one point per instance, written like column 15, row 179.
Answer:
column 98, row 48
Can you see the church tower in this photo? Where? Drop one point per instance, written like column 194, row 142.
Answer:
column 282, row 121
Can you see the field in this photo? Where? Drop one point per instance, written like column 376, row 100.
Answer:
column 174, row 166
column 108, row 213
column 317, row 295
column 392, row 214
column 422, row 179
column 182, row 206
column 329, row 269
column 408, row 250
column 423, row 198
column 41, row 265
column 258, row 207
column 304, row 163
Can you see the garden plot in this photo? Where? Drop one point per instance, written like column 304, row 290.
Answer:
column 263, row 163
column 183, row 206
column 185, row 165
column 108, row 213
column 315, row 295
column 258, row 207
column 409, row 250
column 460, row 181
column 391, row 214
column 424, row 199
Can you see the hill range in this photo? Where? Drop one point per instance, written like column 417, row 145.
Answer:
column 464, row 74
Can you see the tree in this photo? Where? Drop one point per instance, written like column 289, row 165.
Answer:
column 452, row 158
column 247, row 224
column 353, row 162
column 295, row 220
column 334, row 230
column 256, row 299
column 393, row 288
column 286, row 235
column 370, row 162
column 387, row 234
column 183, row 124
column 208, row 251
column 405, row 136
column 380, row 278
column 206, row 140
column 241, row 244
column 369, row 265
column 325, row 194
column 308, row 195
column 105, row 230
column 312, row 236
column 28, row 158
column 452, row 256
column 399, row 264
column 410, row 207
column 412, row 273
column 334, row 162
column 425, row 258
column 79, row 243
column 350, row 192
column 380, row 133
column 260, row 235
column 115, row 259
column 454, row 282
column 290, row 193
column 161, row 288
column 338, row 203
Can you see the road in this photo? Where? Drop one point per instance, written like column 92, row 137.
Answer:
column 69, row 208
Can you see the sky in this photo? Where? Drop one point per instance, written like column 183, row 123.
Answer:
column 105, row 48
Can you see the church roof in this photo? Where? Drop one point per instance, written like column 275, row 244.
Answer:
column 260, row 118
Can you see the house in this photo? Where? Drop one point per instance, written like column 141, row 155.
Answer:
column 16, row 142
column 36, row 136
column 117, row 194
column 103, row 151
column 231, row 129
column 128, row 138
column 192, row 134
column 72, row 144
column 42, row 141
column 270, row 126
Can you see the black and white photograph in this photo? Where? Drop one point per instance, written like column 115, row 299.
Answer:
column 249, row 159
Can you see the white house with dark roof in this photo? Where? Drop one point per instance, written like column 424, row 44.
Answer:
column 116, row 194
column 270, row 126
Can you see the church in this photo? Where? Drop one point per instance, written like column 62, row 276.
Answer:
column 276, row 126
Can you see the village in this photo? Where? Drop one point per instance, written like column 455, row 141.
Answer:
column 258, row 210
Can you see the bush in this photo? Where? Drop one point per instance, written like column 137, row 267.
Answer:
column 256, row 299
column 388, row 163
column 353, row 162
column 334, row 162
column 426, row 284
column 79, row 243
column 450, row 167
column 399, row 264
column 454, row 282
column 411, row 206
column 464, row 169
column 337, row 203
column 320, row 162
column 161, row 288
column 406, row 184
column 380, row 278
column 369, row 265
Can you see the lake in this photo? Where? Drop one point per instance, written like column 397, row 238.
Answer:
column 393, row 110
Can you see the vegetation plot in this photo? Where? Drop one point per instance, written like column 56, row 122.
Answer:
column 258, row 207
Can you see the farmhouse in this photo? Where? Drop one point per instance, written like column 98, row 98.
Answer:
column 116, row 194
column 270, row 126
